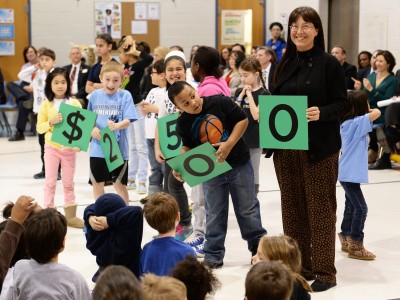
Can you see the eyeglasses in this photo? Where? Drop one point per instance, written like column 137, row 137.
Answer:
column 304, row 27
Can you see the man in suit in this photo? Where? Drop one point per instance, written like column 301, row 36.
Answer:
column 350, row 71
column 78, row 74
column 267, row 58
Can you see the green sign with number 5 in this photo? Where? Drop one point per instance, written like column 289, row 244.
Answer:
column 110, row 147
column 170, row 141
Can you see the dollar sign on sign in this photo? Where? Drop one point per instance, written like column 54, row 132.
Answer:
column 76, row 132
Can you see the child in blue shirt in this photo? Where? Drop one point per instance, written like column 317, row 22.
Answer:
column 353, row 170
column 162, row 254
column 114, row 107
column 238, row 182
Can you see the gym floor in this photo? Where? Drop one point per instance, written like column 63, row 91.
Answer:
column 379, row 279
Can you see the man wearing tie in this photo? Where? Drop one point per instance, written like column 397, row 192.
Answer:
column 78, row 74
column 267, row 58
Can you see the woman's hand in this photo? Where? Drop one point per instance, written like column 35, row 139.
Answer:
column 312, row 113
column 357, row 84
column 367, row 84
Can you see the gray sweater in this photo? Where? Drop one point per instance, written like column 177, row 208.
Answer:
column 32, row 280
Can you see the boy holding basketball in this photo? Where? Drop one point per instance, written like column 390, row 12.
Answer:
column 239, row 181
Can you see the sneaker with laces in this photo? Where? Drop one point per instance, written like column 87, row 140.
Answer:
column 141, row 189
column 195, row 239
column 131, row 185
column 199, row 249
column 182, row 232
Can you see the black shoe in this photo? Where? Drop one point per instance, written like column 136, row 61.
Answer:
column 39, row 175
column 213, row 265
column 321, row 286
column 17, row 137
column 382, row 163
column 59, row 176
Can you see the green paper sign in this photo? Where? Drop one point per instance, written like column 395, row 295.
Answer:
column 76, row 127
column 198, row 165
column 283, row 122
column 170, row 141
column 110, row 147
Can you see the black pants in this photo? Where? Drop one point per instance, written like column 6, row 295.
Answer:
column 23, row 116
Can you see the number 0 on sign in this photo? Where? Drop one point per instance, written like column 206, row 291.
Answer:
column 283, row 122
column 110, row 147
column 198, row 165
column 76, row 127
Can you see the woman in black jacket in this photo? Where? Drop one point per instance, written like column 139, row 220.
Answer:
column 307, row 179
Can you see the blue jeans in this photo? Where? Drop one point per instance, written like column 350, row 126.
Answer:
column 138, row 159
column 156, row 176
column 355, row 212
column 239, row 182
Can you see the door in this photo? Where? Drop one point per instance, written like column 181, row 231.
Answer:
column 11, row 65
column 258, row 12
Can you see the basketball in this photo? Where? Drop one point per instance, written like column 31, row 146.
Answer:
column 211, row 130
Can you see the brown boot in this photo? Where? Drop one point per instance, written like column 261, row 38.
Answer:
column 357, row 250
column 72, row 219
column 343, row 242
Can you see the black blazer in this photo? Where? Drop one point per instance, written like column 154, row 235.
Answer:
column 321, row 79
column 349, row 71
column 271, row 77
column 82, row 78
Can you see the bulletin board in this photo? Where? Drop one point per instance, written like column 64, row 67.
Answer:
column 153, row 26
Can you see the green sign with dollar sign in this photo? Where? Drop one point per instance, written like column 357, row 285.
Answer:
column 76, row 127
column 110, row 147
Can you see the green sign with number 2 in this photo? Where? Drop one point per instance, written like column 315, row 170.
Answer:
column 170, row 141
column 110, row 147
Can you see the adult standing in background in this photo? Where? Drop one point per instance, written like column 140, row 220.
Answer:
column 267, row 59
column 78, row 74
column 308, row 192
column 350, row 71
column 277, row 43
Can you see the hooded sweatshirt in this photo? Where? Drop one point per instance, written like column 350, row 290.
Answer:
column 212, row 85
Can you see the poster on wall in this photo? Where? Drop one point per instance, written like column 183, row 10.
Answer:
column 6, row 15
column 107, row 16
column 6, row 31
column 236, row 27
column 7, row 48
column 140, row 11
column 153, row 11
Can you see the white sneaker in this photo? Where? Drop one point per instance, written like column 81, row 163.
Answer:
column 195, row 239
column 131, row 185
column 141, row 189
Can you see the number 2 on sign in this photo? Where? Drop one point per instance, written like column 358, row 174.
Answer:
column 111, row 157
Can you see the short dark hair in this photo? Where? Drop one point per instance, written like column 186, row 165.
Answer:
column 357, row 104
column 367, row 53
column 208, row 60
column 269, row 280
column 44, row 234
column 241, row 47
column 270, row 51
column 275, row 24
column 159, row 66
column 176, row 47
column 161, row 211
column 53, row 73
column 26, row 49
column 49, row 53
column 118, row 283
column 176, row 88
column 389, row 58
column 198, row 279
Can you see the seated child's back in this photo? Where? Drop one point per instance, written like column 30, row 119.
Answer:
column 162, row 254
column 42, row 277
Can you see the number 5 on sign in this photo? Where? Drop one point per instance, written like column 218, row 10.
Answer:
column 283, row 122
column 198, row 165
column 170, row 141
column 110, row 147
